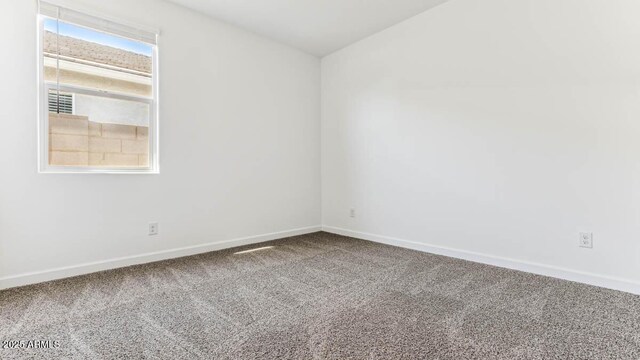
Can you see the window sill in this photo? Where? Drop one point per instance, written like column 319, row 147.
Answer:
column 122, row 171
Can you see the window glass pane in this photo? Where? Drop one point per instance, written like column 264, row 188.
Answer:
column 93, row 59
column 99, row 96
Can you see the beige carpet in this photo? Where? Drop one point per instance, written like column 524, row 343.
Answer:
column 319, row 296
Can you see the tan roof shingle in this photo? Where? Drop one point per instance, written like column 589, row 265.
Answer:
column 98, row 53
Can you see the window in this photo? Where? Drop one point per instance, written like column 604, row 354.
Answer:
column 60, row 103
column 98, row 86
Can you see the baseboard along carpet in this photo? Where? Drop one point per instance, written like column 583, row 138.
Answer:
column 318, row 296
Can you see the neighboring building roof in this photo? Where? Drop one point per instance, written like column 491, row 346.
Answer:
column 97, row 53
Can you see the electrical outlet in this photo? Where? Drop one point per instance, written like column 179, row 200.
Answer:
column 352, row 213
column 586, row 240
column 153, row 229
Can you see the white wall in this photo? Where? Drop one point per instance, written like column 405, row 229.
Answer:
column 495, row 127
column 239, row 147
column 499, row 127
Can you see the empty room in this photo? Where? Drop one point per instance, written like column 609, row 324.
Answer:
column 320, row 179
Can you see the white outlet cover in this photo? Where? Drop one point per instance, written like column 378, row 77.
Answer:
column 153, row 228
column 586, row 240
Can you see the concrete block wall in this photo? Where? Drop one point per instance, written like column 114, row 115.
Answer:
column 76, row 141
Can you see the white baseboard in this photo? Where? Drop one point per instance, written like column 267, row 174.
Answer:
column 530, row 267
column 87, row 268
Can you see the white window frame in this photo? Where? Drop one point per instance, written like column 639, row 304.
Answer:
column 43, row 116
